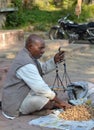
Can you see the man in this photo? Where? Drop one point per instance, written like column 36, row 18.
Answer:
column 24, row 90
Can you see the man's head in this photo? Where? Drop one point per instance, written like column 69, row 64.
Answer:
column 35, row 45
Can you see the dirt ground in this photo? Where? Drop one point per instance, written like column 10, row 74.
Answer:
column 79, row 66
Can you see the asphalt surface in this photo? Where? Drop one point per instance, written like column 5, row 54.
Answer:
column 79, row 66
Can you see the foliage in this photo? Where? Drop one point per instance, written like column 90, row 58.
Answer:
column 42, row 17
column 17, row 3
column 87, row 13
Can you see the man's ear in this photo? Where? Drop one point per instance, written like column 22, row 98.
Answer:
column 29, row 46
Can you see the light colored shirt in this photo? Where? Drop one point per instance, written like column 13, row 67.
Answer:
column 29, row 73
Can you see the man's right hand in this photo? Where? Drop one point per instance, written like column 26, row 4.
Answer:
column 61, row 104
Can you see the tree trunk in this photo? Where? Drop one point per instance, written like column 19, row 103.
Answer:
column 78, row 7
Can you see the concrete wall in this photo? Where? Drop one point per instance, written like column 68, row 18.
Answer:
column 11, row 38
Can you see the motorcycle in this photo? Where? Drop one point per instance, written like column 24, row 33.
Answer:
column 67, row 29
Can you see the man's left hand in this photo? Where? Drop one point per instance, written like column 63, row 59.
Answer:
column 59, row 57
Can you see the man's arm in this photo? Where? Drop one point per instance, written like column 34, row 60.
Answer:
column 50, row 65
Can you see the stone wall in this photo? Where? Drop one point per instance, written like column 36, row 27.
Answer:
column 11, row 38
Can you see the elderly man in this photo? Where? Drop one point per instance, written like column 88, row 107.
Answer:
column 24, row 89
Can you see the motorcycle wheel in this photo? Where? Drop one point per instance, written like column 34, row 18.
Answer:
column 55, row 34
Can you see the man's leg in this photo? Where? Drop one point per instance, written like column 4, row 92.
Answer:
column 33, row 103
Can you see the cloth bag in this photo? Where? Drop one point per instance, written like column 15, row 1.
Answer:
column 81, row 91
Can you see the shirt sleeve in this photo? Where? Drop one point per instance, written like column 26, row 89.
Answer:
column 48, row 66
column 29, row 73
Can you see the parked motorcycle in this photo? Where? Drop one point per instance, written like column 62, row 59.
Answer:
column 67, row 29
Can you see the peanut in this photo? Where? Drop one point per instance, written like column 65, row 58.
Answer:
column 78, row 113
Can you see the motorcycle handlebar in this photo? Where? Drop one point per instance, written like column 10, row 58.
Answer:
column 66, row 16
column 63, row 18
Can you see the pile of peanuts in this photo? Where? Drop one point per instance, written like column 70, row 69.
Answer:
column 78, row 113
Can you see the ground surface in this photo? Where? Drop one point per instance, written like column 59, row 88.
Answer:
column 80, row 66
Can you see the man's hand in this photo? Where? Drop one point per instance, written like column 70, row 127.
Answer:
column 59, row 57
column 61, row 104
column 65, row 105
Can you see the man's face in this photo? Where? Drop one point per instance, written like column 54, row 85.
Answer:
column 37, row 49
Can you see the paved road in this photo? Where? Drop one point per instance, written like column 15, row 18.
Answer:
column 80, row 66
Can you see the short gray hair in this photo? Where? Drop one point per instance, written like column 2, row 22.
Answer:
column 33, row 38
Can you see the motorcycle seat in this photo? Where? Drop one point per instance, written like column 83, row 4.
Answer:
column 91, row 24
column 82, row 27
